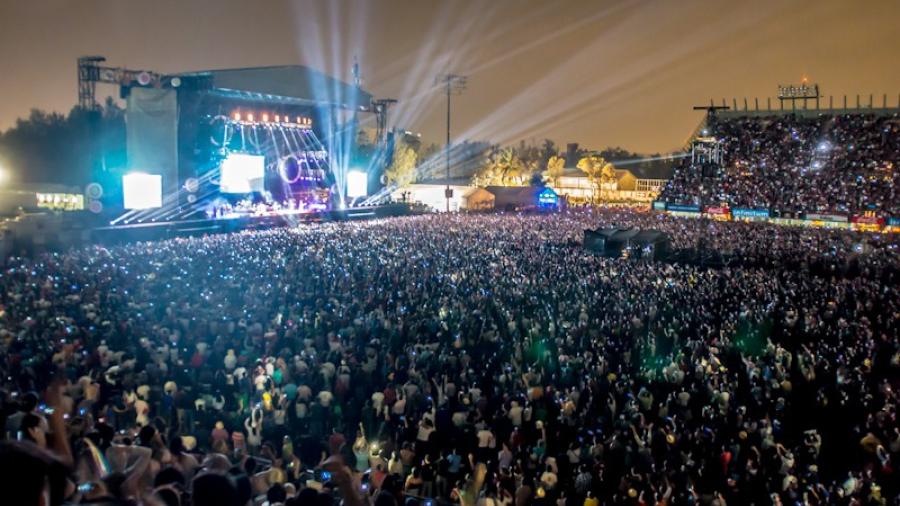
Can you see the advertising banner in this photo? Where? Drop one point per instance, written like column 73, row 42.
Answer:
column 868, row 220
column 749, row 214
column 826, row 217
column 683, row 208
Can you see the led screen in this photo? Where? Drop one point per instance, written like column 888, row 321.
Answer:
column 242, row 173
column 357, row 184
column 142, row 191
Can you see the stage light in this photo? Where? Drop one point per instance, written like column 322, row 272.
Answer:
column 357, row 183
column 142, row 191
column 298, row 119
column 237, row 116
column 250, row 117
column 265, row 118
column 2, row 175
column 277, row 119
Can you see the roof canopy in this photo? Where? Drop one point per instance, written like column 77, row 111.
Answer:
column 288, row 83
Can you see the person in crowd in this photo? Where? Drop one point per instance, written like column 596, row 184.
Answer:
column 792, row 164
column 478, row 359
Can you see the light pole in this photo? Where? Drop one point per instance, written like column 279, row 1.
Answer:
column 453, row 84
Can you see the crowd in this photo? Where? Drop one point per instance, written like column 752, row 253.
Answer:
column 846, row 164
column 485, row 360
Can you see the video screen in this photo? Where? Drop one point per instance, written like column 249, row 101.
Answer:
column 357, row 183
column 241, row 173
column 142, row 191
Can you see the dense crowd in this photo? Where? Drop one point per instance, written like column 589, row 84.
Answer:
column 485, row 360
column 845, row 164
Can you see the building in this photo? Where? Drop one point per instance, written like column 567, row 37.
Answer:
column 465, row 197
column 636, row 183
column 30, row 198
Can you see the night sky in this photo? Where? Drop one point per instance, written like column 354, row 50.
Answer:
column 598, row 73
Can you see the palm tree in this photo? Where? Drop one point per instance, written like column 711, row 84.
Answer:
column 555, row 167
column 503, row 168
column 597, row 170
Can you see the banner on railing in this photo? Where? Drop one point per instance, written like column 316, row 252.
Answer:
column 683, row 208
column 893, row 222
column 740, row 213
column 826, row 217
column 868, row 220
column 659, row 206
column 717, row 210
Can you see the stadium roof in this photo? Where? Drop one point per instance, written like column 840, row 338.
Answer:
column 287, row 83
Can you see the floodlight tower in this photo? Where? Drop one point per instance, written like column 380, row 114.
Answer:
column 453, row 85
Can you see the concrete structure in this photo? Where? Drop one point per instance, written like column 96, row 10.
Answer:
column 465, row 197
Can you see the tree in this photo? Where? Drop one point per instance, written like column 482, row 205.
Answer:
column 503, row 168
column 608, row 174
column 548, row 151
column 596, row 168
column 71, row 149
column 426, row 152
column 555, row 167
column 402, row 170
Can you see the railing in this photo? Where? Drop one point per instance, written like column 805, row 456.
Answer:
column 811, row 106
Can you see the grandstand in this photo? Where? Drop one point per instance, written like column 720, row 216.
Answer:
column 794, row 162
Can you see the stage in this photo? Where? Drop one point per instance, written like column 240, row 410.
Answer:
column 150, row 231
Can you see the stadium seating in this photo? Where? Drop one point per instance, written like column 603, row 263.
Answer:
column 791, row 164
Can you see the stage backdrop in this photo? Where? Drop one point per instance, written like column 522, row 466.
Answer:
column 152, row 135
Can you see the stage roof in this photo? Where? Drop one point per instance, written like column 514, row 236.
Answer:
column 287, row 83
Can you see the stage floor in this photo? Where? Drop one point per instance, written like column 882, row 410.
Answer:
column 119, row 233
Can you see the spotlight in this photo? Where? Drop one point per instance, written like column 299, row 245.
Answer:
column 299, row 119
column 265, row 118
column 277, row 119
column 237, row 116
column 250, row 118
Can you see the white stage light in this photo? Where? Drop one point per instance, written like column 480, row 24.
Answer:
column 142, row 191
column 242, row 173
column 357, row 184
